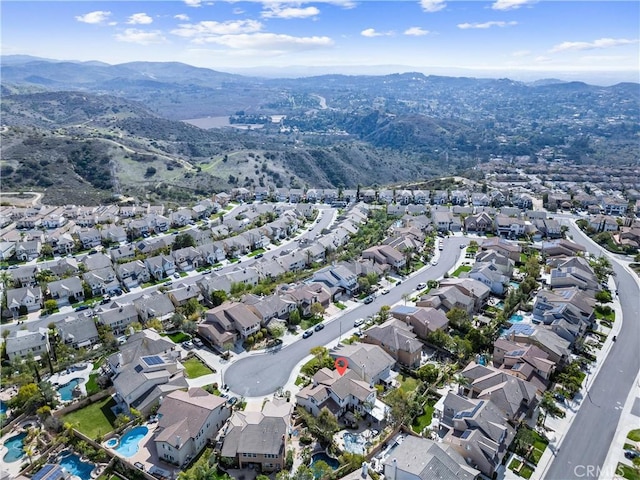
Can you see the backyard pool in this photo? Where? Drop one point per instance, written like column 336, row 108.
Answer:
column 514, row 285
column 354, row 443
column 15, row 445
column 3, row 408
column 72, row 464
column 332, row 462
column 515, row 318
column 111, row 443
column 500, row 305
column 129, row 443
column 66, row 390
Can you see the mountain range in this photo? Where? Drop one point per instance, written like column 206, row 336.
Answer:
column 133, row 123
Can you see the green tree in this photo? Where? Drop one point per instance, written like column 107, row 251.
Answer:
column 603, row 296
column 295, row 318
column 428, row 373
column 218, row 297
column 50, row 305
column 459, row 319
column 183, row 240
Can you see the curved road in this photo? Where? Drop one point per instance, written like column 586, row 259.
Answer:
column 585, row 446
column 264, row 373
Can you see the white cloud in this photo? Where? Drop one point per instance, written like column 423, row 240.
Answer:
column 139, row 19
column 510, row 4
column 371, row 32
column 193, row 3
column 596, row 44
column 200, row 32
column 466, row 26
column 182, row 17
column 542, row 59
column 432, row 5
column 276, row 11
column 416, row 31
column 98, row 17
column 521, row 53
column 142, row 37
column 270, row 41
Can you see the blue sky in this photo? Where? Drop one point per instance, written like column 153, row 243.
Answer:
column 499, row 36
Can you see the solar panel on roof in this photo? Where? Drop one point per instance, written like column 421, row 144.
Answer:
column 153, row 360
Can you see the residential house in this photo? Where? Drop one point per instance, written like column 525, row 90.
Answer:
column 122, row 253
column 28, row 250
column 574, row 272
column 78, row 331
column 114, row 234
column 527, row 362
column 7, row 249
column 146, row 369
column 66, row 291
column 117, row 317
column 509, row 226
column 490, row 275
column 504, row 264
column 187, row 421
column 503, row 247
column 515, row 397
column 569, row 311
column 187, row 259
column 423, row 320
column 443, row 220
column 339, row 393
column 160, row 266
column 556, row 347
column 246, row 276
column 338, row 279
column 480, row 223
column 224, row 321
column 24, row 275
column 419, row 458
column 133, row 274
column 398, row 340
column 97, row 261
column 479, row 199
column 20, row 343
column 385, row 255
column 477, row 429
column 561, row 248
column 459, row 197
column 370, row 362
column 24, row 299
column 628, row 237
column 304, row 295
column 102, row 281
column 181, row 294
column 269, row 307
column 259, row 439
column 614, row 206
column 212, row 253
column 89, row 238
column 603, row 223
column 154, row 305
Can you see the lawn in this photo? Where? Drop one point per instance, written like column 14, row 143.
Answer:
column 256, row 252
column 461, row 269
column 424, row 420
column 526, row 471
column 515, row 463
column 634, row 435
column 611, row 316
column 179, row 337
column 627, row 472
column 194, row 368
column 408, row 384
column 91, row 385
column 93, row 420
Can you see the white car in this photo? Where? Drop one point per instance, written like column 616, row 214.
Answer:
column 358, row 322
column 384, row 291
column 434, row 262
column 421, row 286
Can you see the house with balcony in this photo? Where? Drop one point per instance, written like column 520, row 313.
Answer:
column 102, row 281
column 527, row 362
column 28, row 250
column 259, row 439
column 504, row 247
column 304, row 295
column 385, row 255
column 187, row 422
column 161, row 266
column 89, row 238
column 24, row 275
column 370, row 362
column 269, row 307
column 338, row 279
column 479, row 223
column 614, row 206
column 337, row 393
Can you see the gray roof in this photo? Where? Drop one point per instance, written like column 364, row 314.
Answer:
column 372, row 358
column 427, row 460
column 78, row 330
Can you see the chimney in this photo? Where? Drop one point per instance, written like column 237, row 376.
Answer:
column 178, row 441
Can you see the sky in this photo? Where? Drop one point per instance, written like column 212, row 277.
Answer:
column 498, row 36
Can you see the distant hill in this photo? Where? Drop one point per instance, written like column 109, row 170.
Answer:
column 331, row 130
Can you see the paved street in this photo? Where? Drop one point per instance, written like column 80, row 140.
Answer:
column 584, row 448
column 262, row 374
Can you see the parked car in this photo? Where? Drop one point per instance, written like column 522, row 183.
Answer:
column 176, row 275
column 358, row 322
column 384, row 291
column 434, row 262
column 232, row 401
column 188, row 344
column 318, row 327
column 139, row 465
column 260, row 255
column 369, row 299
column 82, row 307
column 631, row 454
column 307, row 334
column 198, row 343
column 421, row 286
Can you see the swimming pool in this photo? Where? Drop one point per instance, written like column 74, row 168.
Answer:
column 322, row 456
column 129, row 443
column 111, row 443
column 72, row 464
column 66, row 390
column 15, row 445
column 514, row 285
column 354, row 443
column 3, row 408
column 515, row 318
